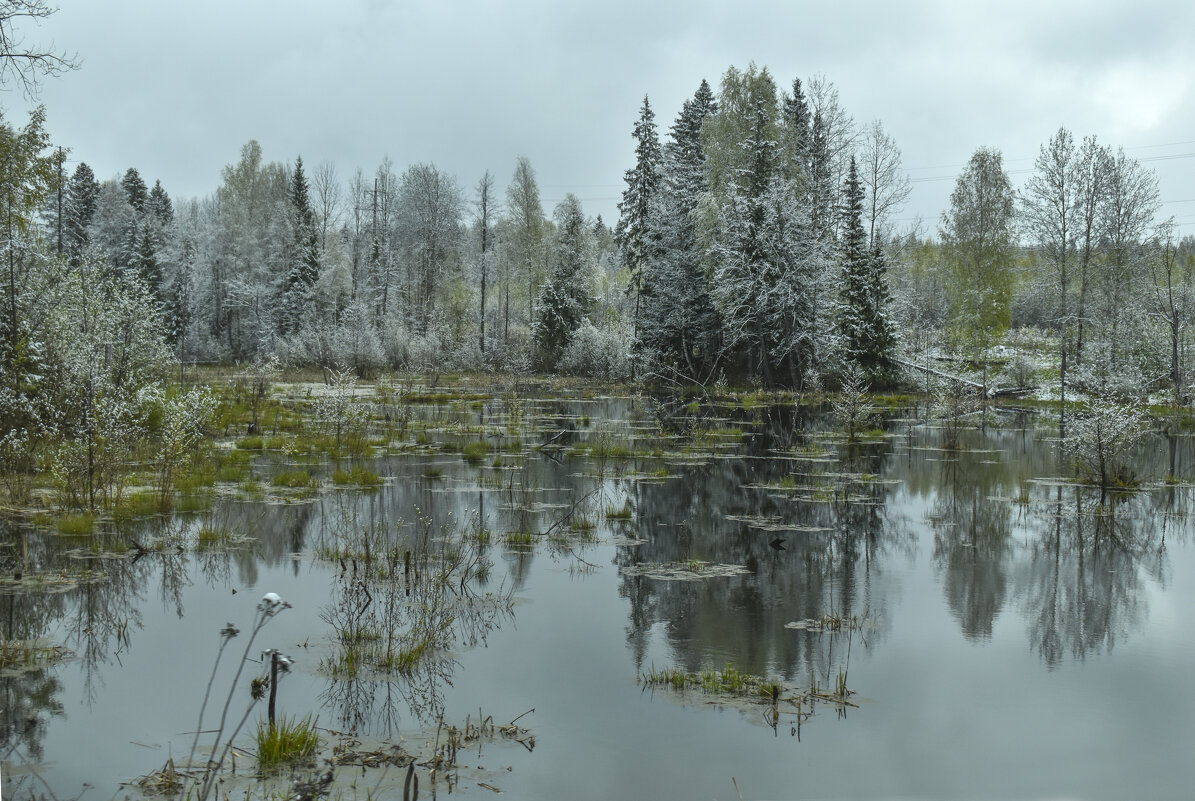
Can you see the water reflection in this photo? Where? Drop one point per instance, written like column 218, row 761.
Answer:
column 821, row 526
column 1082, row 583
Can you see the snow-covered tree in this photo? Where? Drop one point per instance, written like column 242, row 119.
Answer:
column 979, row 235
column 633, row 231
column 678, row 325
column 866, row 337
column 567, row 295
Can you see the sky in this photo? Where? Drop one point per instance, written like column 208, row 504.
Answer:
column 176, row 88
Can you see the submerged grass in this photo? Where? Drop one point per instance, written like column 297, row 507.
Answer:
column 728, row 681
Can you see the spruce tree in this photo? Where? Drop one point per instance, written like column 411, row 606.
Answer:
column 135, row 190
column 82, row 195
column 302, row 252
column 679, row 326
column 865, row 331
column 632, row 231
column 159, row 205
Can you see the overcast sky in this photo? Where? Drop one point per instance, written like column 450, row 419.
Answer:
column 176, row 88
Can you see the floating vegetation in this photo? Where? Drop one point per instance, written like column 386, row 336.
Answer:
column 772, row 523
column 21, row 655
column 689, row 570
column 832, row 623
column 729, row 681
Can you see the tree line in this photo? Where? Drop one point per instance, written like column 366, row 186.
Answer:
column 757, row 241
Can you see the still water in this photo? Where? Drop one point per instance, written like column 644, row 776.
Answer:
column 1010, row 642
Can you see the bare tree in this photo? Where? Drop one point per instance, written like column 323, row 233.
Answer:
column 326, row 184
column 1128, row 212
column 1051, row 215
column 486, row 211
column 886, row 183
column 26, row 64
column 1093, row 163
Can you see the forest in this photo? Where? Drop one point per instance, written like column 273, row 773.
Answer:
column 757, row 244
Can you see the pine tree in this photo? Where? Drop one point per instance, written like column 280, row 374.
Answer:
column 633, row 231
column 135, row 189
column 82, row 195
column 866, row 337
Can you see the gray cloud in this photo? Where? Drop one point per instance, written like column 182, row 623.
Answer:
column 175, row 89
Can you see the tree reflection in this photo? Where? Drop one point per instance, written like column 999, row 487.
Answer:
column 816, row 547
column 972, row 545
column 1082, row 585
column 400, row 598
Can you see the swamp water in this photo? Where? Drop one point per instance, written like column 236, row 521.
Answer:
column 939, row 624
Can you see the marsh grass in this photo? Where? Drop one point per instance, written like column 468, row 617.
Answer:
column 76, row 525
column 357, row 475
column 290, row 741
column 292, row 479
column 475, row 452
column 625, row 513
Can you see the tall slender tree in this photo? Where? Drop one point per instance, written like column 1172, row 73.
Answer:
column 1050, row 214
column 633, row 231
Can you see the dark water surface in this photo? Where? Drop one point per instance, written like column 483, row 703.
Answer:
column 1013, row 644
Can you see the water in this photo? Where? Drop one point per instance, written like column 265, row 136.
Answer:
column 1012, row 644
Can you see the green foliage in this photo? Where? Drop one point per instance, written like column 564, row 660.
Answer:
column 290, row 741
column 292, row 479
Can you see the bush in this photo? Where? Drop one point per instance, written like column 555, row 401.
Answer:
column 598, row 353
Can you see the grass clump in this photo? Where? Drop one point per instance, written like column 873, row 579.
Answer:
column 519, row 538
column 212, row 538
column 292, row 479
column 625, row 513
column 254, row 443
column 76, row 525
column 357, row 476
column 289, row 742
column 475, row 452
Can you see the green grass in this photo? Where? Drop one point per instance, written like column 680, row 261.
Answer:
column 140, row 504
column 212, row 538
column 357, row 476
column 193, row 502
column 292, row 479
column 519, row 538
column 625, row 513
column 475, row 452
column 76, row 525
column 253, row 443
column 291, row 741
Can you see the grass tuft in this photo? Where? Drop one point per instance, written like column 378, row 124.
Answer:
column 289, row 742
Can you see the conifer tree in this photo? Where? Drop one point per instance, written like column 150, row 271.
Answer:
column 679, row 326
column 566, row 296
column 159, row 205
column 632, row 232
column 135, row 189
column 82, row 195
column 865, row 332
column 302, row 260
